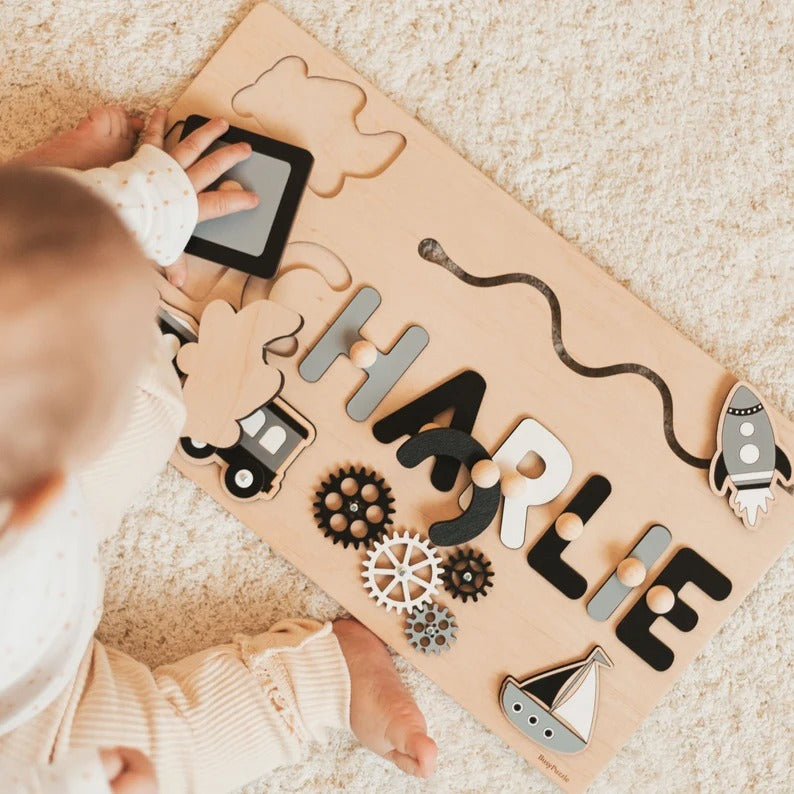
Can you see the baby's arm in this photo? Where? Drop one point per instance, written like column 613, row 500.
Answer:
column 159, row 197
column 153, row 196
column 83, row 771
column 142, row 444
column 218, row 719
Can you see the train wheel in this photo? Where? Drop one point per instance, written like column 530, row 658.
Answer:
column 197, row 450
column 244, row 480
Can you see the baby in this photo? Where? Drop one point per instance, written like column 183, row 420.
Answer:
column 90, row 409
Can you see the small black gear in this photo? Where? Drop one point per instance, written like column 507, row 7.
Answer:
column 467, row 574
column 337, row 511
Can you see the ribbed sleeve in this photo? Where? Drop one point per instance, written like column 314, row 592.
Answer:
column 142, row 445
column 222, row 717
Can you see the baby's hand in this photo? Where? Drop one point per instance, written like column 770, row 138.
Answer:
column 202, row 172
column 129, row 771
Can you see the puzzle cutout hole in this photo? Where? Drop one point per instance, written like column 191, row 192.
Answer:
column 374, row 514
column 369, row 492
column 319, row 114
column 248, row 231
column 531, row 465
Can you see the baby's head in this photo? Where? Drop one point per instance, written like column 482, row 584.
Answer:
column 76, row 306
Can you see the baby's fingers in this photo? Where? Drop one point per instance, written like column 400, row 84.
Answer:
column 189, row 149
column 210, row 168
column 155, row 129
column 176, row 272
column 217, row 203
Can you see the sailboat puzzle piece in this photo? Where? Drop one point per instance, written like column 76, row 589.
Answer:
column 388, row 368
column 528, row 436
column 545, row 557
column 557, row 708
column 227, row 375
column 748, row 460
column 612, row 593
column 319, row 114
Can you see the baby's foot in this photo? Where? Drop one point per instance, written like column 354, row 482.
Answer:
column 104, row 137
column 383, row 714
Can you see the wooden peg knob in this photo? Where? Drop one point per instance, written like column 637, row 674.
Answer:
column 363, row 354
column 230, row 184
column 172, row 344
column 569, row 526
column 660, row 599
column 514, row 485
column 631, row 572
column 485, row 473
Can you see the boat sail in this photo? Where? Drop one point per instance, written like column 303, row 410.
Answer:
column 557, row 708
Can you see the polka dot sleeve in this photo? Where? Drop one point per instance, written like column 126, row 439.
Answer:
column 154, row 198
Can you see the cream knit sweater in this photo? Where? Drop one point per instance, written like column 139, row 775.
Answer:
column 210, row 722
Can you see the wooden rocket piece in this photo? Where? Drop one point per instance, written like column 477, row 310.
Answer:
column 748, row 461
column 227, row 375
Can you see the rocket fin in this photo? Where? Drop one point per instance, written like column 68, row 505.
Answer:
column 720, row 472
column 782, row 464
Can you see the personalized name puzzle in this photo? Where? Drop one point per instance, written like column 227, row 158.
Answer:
column 492, row 454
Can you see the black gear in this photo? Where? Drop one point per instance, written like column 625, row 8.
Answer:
column 353, row 507
column 467, row 574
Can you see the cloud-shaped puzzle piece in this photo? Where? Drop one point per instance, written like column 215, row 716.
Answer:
column 318, row 114
column 227, row 375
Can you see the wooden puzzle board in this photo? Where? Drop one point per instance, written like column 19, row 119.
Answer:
column 610, row 425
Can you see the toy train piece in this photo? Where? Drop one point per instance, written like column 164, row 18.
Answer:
column 270, row 438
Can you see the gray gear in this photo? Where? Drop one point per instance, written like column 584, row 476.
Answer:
column 431, row 629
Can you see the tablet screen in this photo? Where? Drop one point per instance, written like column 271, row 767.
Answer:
column 248, row 231
column 253, row 240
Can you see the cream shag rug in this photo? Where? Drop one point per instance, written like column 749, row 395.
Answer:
column 659, row 138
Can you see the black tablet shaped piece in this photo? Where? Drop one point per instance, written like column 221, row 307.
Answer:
column 253, row 240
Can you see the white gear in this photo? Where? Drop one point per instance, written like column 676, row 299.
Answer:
column 390, row 559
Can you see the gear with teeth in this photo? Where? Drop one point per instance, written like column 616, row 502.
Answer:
column 431, row 629
column 467, row 574
column 354, row 507
column 402, row 572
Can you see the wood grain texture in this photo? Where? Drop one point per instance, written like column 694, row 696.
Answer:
column 611, row 426
column 227, row 375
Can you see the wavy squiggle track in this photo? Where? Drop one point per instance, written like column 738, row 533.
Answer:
column 431, row 251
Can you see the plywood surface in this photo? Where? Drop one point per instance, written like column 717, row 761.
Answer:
column 611, row 425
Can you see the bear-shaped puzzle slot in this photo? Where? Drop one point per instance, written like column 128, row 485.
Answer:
column 319, row 114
